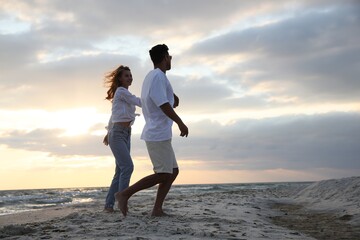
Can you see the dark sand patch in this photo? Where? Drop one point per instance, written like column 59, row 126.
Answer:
column 317, row 224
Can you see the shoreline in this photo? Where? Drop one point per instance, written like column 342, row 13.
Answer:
column 39, row 215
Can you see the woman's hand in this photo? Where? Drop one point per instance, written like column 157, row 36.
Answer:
column 106, row 141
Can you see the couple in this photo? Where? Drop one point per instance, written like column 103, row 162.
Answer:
column 157, row 102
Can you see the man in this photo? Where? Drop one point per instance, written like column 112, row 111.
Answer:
column 158, row 101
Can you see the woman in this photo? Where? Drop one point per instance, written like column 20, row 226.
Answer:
column 119, row 129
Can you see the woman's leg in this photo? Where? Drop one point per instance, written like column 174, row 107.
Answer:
column 114, row 186
column 126, row 164
column 119, row 141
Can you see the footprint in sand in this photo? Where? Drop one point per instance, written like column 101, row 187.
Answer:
column 209, row 211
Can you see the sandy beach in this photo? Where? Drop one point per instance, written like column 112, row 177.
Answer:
column 322, row 210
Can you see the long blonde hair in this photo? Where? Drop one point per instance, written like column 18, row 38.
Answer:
column 112, row 80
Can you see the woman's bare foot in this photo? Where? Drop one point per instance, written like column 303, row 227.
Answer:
column 122, row 203
column 108, row 210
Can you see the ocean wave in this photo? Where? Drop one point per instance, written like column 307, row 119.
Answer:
column 25, row 200
column 51, row 200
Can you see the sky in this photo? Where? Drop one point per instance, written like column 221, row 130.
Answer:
column 270, row 90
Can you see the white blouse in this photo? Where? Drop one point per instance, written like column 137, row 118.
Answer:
column 123, row 107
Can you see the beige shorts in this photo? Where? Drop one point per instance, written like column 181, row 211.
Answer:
column 162, row 156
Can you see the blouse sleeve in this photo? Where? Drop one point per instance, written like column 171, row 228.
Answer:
column 130, row 98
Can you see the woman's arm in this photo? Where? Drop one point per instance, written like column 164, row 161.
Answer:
column 109, row 126
column 130, row 98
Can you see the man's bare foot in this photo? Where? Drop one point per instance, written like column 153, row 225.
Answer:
column 159, row 213
column 122, row 203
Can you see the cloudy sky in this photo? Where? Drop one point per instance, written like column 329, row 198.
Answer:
column 270, row 90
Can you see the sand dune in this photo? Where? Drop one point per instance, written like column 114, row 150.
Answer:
column 339, row 195
column 327, row 209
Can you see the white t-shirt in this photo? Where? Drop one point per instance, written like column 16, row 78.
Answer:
column 156, row 90
column 123, row 106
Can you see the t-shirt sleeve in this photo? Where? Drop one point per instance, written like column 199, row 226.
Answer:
column 158, row 91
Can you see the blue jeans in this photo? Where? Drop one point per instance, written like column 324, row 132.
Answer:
column 119, row 141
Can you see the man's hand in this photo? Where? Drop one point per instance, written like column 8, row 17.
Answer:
column 176, row 101
column 106, row 141
column 184, row 131
column 170, row 112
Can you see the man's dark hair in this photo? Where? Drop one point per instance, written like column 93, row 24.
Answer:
column 158, row 52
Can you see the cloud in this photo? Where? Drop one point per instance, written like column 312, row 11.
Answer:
column 76, row 82
column 305, row 31
column 123, row 16
column 308, row 56
column 53, row 142
column 297, row 143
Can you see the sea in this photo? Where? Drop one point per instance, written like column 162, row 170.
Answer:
column 17, row 201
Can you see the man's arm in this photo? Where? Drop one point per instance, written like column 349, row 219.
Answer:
column 169, row 111
column 176, row 101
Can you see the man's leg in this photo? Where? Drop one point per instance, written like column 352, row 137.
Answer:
column 146, row 182
column 163, row 190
